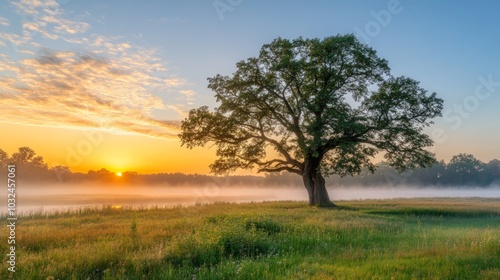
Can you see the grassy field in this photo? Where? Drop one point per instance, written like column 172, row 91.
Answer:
column 374, row 239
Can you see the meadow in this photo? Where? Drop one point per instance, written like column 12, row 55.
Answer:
column 424, row 238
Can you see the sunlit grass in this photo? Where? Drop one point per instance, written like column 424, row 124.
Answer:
column 374, row 239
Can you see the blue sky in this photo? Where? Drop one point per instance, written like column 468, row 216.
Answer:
column 165, row 50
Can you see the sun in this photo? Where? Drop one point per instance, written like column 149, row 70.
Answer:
column 119, row 174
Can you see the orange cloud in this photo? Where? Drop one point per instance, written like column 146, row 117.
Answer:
column 81, row 90
column 112, row 85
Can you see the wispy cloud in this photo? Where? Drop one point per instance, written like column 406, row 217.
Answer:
column 83, row 90
column 4, row 21
column 188, row 95
column 165, row 20
column 173, row 82
column 159, row 20
column 46, row 18
column 113, row 84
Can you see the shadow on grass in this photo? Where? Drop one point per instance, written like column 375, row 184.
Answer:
column 432, row 212
column 337, row 207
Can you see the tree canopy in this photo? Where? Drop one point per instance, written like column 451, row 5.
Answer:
column 27, row 156
column 325, row 106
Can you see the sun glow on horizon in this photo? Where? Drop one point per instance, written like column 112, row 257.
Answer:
column 119, row 174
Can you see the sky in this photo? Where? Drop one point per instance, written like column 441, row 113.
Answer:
column 104, row 84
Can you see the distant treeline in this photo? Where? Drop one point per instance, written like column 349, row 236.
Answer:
column 462, row 170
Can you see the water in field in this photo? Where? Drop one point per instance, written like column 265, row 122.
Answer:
column 49, row 198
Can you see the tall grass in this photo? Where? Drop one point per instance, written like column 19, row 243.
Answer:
column 373, row 239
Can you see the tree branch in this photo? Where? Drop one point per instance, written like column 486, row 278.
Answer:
column 280, row 169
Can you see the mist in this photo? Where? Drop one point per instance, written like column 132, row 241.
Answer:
column 62, row 197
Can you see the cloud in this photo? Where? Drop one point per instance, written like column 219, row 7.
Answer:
column 45, row 17
column 81, row 90
column 159, row 20
column 112, row 85
column 4, row 21
column 165, row 20
column 174, row 82
column 40, row 19
column 188, row 94
column 181, row 20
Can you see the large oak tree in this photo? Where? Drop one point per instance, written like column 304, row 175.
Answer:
column 325, row 106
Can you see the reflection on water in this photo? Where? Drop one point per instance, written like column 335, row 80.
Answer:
column 62, row 198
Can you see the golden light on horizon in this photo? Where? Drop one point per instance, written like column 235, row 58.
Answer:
column 119, row 174
column 117, row 153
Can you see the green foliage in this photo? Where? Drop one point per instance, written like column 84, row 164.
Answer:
column 373, row 239
column 310, row 98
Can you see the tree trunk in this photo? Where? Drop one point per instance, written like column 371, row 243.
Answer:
column 315, row 185
column 320, row 193
column 309, row 184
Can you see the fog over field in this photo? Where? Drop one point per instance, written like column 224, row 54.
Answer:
column 61, row 197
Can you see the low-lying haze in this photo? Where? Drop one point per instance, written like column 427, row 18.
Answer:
column 64, row 197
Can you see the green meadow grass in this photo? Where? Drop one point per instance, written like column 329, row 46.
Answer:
column 372, row 239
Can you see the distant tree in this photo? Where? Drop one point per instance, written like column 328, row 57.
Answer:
column 27, row 156
column 104, row 172
column 61, row 169
column 465, row 169
column 4, row 158
column 430, row 176
column 101, row 174
column 29, row 166
column 493, row 169
column 436, row 174
column 325, row 107
column 61, row 172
